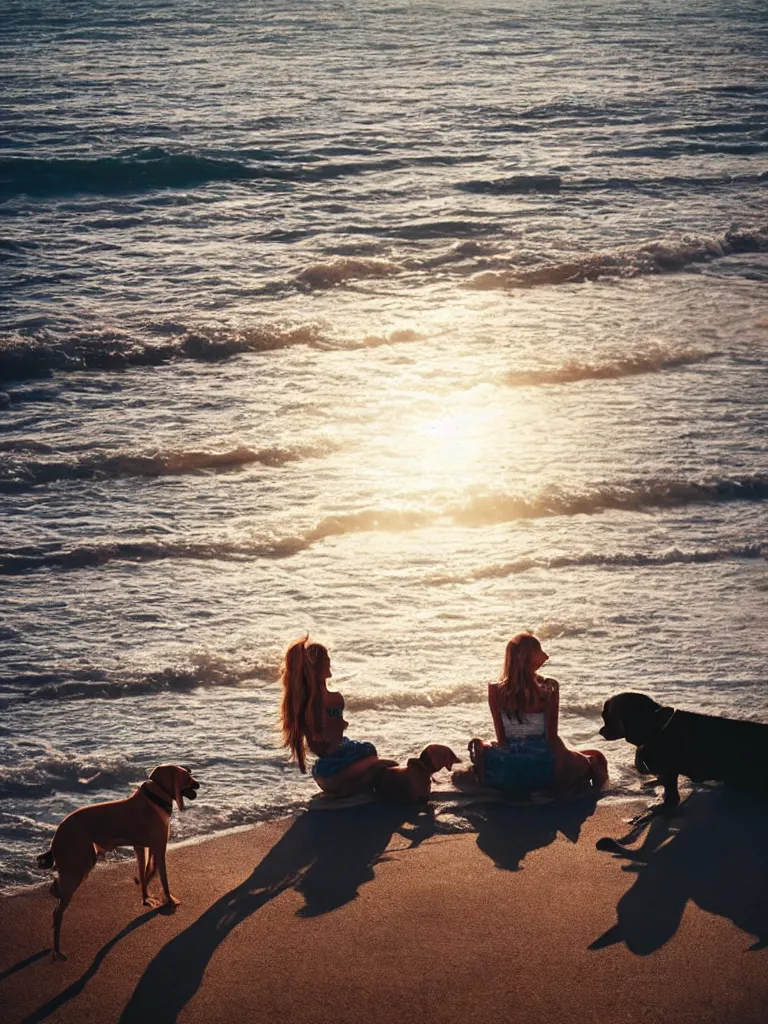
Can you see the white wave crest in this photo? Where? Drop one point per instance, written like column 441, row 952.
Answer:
column 653, row 360
column 463, row 693
column 328, row 275
column 17, row 474
column 203, row 671
column 618, row 559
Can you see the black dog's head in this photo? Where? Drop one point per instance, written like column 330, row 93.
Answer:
column 630, row 716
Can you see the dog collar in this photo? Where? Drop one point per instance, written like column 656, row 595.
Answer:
column 674, row 712
column 166, row 805
column 661, row 730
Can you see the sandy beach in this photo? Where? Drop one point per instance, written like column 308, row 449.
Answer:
column 380, row 914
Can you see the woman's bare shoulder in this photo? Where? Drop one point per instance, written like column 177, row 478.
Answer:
column 548, row 685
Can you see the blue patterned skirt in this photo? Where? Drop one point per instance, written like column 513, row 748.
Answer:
column 347, row 752
column 524, row 765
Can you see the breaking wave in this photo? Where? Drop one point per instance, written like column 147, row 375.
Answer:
column 90, row 556
column 632, row 496
column 464, row 693
column 39, row 354
column 553, row 184
column 156, row 168
column 23, row 474
column 649, row 258
column 478, row 511
column 494, row 508
column 614, row 560
column 328, row 275
column 73, row 683
column 53, row 771
column 652, row 360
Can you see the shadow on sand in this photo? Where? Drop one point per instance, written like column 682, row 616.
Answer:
column 77, row 986
column 26, row 962
column 324, row 856
column 507, row 833
column 714, row 853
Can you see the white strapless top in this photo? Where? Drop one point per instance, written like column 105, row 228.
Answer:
column 533, row 724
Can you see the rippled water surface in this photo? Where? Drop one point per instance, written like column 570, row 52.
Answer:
column 410, row 325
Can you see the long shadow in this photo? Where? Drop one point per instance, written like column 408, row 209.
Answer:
column 325, row 856
column 77, row 986
column 23, row 963
column 507, row 834
column 712, row 853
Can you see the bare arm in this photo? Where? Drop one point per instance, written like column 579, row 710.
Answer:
column 493, row 704
column 552, row 709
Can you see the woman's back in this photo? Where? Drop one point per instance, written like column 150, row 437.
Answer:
column 521, row 723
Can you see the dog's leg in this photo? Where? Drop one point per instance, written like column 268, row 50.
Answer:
column 65, row 895
column 143, row 877
column 159, row 856
column 667, row 806
column 151, row 867
column 671, row 793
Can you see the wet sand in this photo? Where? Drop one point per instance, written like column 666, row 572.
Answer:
column 378, row 914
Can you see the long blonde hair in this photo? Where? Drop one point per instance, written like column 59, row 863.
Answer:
column 302, row 676
column 518, row 687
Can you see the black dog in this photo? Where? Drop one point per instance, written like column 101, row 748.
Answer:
column 702, row 747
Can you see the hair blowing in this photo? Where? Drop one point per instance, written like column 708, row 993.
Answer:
column 518, row 688
column 302, row 676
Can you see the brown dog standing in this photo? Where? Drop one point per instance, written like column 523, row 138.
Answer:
column 142, row 821
column 414, row 782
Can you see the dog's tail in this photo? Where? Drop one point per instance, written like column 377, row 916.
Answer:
column 45, row 860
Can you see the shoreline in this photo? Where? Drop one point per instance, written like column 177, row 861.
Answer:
column 439, row 797
column 374, row 914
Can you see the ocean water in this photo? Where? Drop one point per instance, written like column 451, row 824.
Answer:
column 410, row 325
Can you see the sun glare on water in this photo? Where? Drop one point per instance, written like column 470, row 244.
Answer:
column 460, row 447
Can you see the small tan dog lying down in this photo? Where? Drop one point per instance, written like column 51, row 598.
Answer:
column 142, row 821
column 413, row 783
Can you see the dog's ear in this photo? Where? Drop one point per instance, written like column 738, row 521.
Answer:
column 451, row 759
column 437, row 756
column 180, row 776
column 172, row 779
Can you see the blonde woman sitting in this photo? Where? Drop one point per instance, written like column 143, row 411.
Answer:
column 312, row 717
column 529, row 754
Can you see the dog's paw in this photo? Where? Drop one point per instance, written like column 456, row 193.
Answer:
column 171, row 901
column 150, row 901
